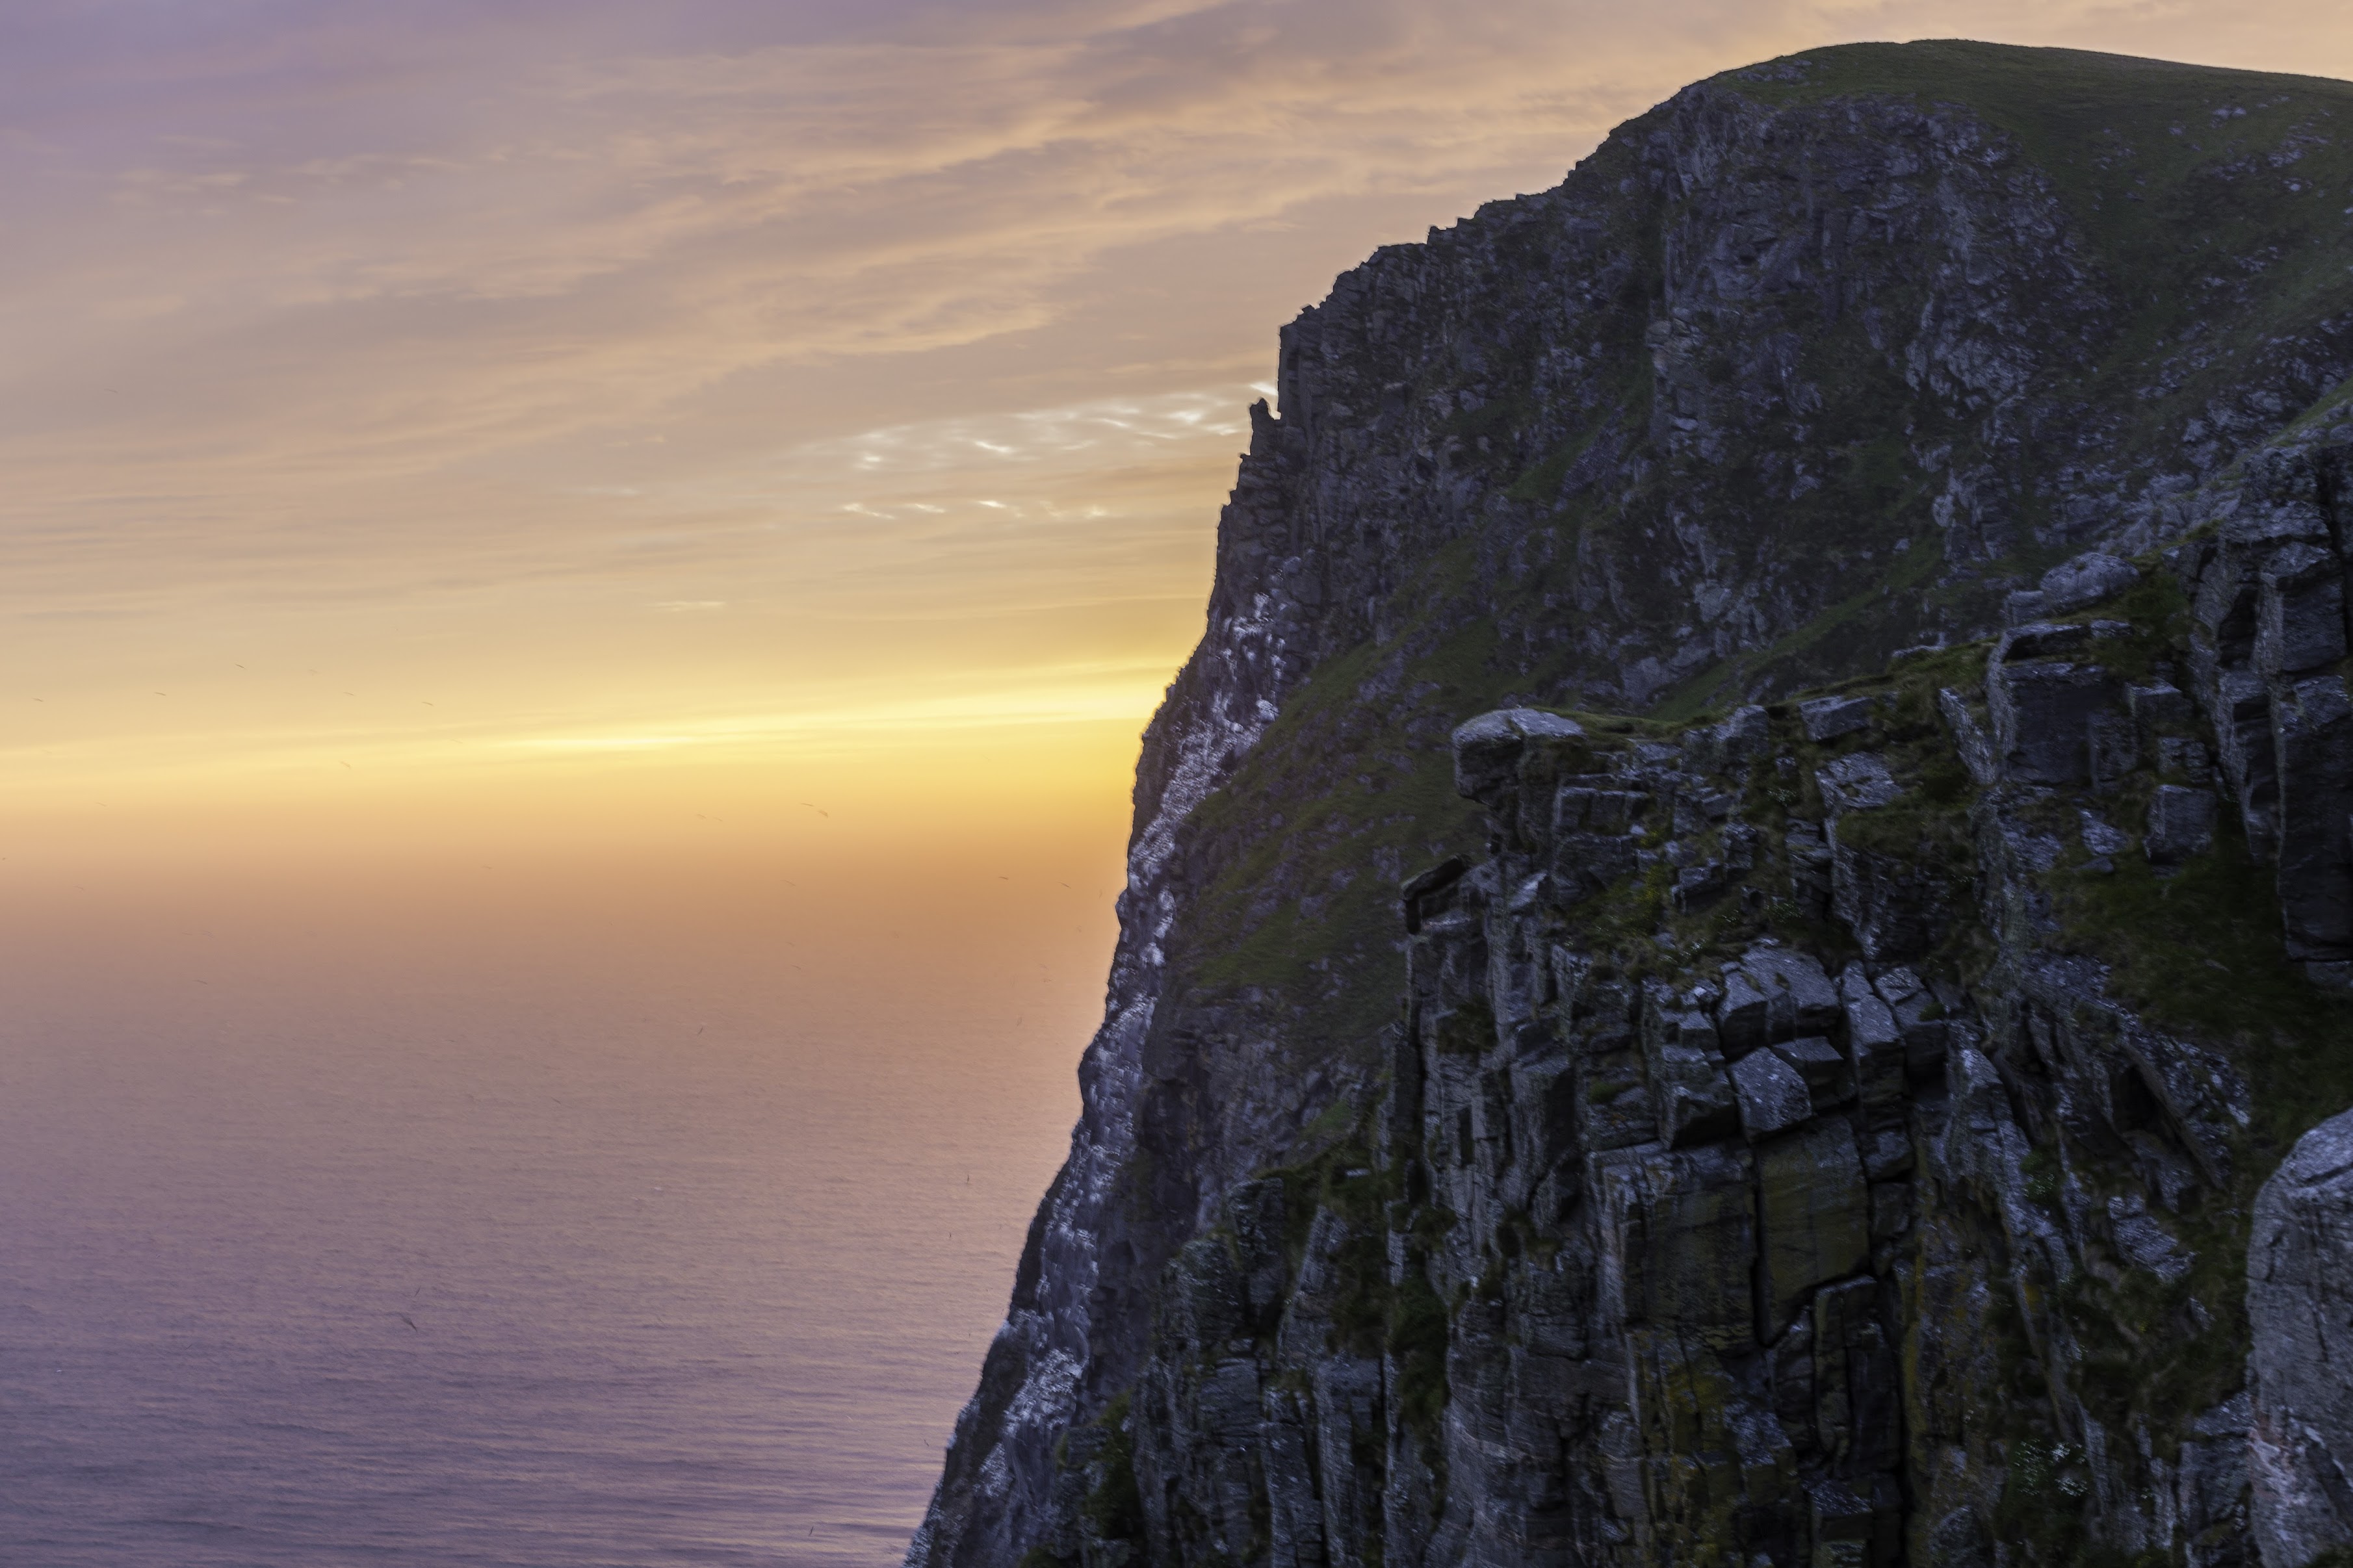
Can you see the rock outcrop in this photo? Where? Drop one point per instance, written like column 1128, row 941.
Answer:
column 1781, row 1125
column 2299, row 1311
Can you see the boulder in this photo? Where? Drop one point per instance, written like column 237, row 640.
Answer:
column 1743, row 1016
column 1773, row 1094
column 1827, row 717
column 1803, row 1000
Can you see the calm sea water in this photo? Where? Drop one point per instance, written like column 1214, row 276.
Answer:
column 612, row 1228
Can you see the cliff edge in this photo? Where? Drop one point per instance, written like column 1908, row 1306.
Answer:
column 1754, row 867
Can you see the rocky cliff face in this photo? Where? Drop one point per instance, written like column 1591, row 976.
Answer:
column 1812, row 1130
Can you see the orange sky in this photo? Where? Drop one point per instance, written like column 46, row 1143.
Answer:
column 545, row 427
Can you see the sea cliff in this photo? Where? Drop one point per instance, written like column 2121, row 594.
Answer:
column 1752, row 874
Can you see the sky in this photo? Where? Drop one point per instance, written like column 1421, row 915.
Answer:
column 765, row 432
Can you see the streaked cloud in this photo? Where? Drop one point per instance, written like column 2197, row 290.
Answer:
column 600, row 360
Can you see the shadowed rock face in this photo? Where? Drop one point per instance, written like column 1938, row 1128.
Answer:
column 2300, row 1277
column 1817, row 1134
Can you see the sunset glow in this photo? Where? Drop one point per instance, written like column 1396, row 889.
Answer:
column 551, row 418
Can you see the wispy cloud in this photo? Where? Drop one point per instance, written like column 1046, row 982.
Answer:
column 895, row 336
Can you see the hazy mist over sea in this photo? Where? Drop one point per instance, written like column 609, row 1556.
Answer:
column 623, row 1217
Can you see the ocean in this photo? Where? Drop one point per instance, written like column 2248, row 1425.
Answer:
column 592, row 1220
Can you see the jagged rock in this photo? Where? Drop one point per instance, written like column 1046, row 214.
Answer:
column 1811, row 869
column 1427, row 892
column 1971, row 738
column 1858, row 782
column 1696, row 1099
column 2249, row 758
column 1294, row 1512
column 1823, row 1067
column 1743, row 1016
column 1773, row 1094
column 1875, row 1043
column 1730, row 745
column 2300, row 1369
column 1800, row 997
column 1827, row 717
column 1918, row 1014
column 1487, row 750
column 2085, row 580
column 1592, row 849
column 2143, row 1240
column 2100, row 837
column 1542, row 1302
